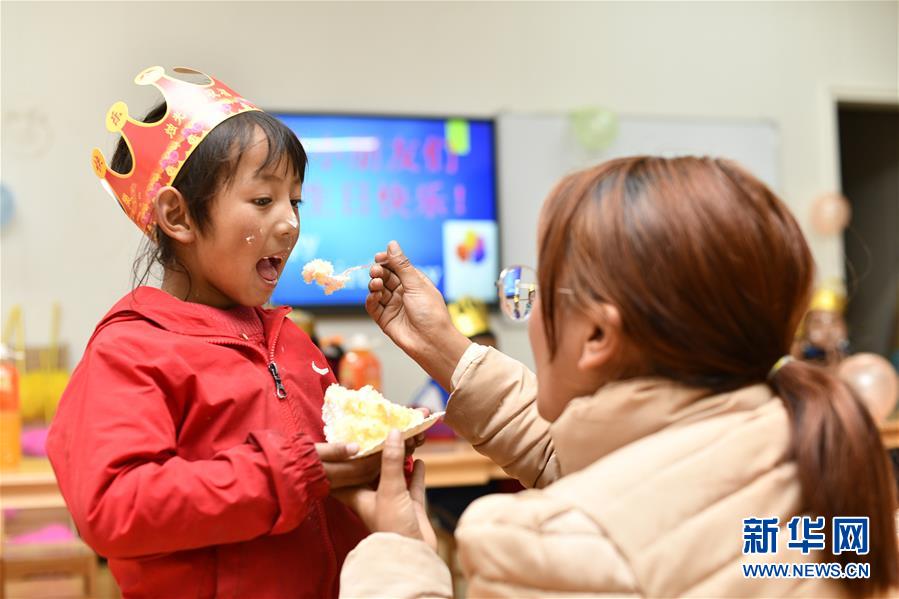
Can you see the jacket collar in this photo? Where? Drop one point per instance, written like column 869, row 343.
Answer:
column 187, row 318
column 623, row 412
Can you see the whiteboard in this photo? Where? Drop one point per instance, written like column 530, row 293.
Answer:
column 535, row 151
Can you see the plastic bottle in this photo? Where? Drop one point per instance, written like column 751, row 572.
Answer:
column 332, row 348
column 359, row 366
column 306, row 322
column 10, row 416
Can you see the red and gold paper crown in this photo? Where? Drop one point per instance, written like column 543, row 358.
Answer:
column 159, row 150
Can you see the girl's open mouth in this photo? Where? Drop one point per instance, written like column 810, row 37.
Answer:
column 269, row 268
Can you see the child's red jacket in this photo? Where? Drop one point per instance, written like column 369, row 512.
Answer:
column 181, row 464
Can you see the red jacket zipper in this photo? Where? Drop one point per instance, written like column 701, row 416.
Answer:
column 280, row 390
column 273, row 367
column 281, row 393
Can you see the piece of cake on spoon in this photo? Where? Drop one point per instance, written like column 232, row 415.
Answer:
column 322, row 272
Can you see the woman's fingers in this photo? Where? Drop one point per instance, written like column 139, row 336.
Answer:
column 417, row 492
column 378, row 272
column 393, row 508
column 383, row 284
column 391, row 281
column 392, row 483
column 374, row 307
column 417, row 486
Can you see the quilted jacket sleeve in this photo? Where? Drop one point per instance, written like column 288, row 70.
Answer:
column 494, row 407
column 528, row 544
column 532, row 544
column 386, row 564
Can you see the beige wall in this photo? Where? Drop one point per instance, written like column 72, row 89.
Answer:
column 64, row 64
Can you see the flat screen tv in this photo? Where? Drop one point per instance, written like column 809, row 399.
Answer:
column 429, row 183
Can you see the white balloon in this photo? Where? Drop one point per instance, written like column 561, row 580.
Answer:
column 830, row 213
column 874, row 380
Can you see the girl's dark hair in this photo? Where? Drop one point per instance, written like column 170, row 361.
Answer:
column 210, row 167
column 711, row 275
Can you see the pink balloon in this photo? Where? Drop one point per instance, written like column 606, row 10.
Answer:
column 830, row 213
column 874, row 380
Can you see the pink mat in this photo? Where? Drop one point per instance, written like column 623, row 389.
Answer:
column 52, row 533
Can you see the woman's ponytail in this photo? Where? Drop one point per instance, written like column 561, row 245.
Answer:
column 843, row 467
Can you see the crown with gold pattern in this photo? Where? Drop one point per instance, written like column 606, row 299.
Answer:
column 469, row 316
column 159, row 150
column 828, row 299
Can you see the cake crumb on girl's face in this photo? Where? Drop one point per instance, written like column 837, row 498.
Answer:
column 254, row 225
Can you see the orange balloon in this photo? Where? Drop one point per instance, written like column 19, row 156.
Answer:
column 874, row 380
column 830, row 213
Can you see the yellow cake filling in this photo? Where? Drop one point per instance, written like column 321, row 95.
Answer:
column 364, row 416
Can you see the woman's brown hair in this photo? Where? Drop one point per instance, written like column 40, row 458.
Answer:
column 711, row 275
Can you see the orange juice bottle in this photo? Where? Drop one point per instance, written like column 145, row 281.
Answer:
column 10, row 417
column 359, row 366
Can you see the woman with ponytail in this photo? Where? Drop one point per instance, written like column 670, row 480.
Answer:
column 672, row 447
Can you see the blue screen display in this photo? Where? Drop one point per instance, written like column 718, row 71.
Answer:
column 428, row 183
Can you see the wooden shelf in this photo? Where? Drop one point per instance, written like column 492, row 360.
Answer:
column 456, row 464
column 32, row 485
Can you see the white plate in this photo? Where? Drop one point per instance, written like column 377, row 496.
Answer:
column 408, row 433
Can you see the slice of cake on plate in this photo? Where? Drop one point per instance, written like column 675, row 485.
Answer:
column 366, row 417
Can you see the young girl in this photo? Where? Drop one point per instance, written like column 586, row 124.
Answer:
column 188, row 445
column 672, row 448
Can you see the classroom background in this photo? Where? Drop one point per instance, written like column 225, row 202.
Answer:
column 815, row 85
